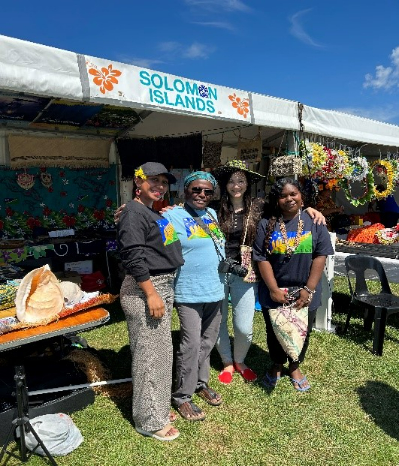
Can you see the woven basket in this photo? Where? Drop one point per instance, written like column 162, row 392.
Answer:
column 285, row 165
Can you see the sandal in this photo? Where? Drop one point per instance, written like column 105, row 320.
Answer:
column 190, row 411
column 210, row 396
column 166, row 434
column 300, row 384
column 269, row 381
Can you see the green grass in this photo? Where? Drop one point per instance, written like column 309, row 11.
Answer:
column 350, row 417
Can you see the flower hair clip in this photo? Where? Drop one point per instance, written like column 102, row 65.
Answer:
column 139, row 173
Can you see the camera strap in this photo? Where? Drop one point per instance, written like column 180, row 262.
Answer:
column 205, row 227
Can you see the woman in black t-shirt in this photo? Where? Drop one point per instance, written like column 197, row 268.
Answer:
column 291, row 252
column 150, row 253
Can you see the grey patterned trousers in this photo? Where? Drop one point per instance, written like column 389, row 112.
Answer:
column 152, row 352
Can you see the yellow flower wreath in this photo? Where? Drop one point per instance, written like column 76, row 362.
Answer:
column 390, row 178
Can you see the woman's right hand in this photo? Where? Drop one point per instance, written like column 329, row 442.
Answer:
column 279, row 295
column 118, row 212
column 156, row 306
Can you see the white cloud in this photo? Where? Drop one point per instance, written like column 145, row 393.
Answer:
column 388, row 113
column 196, row 50
column 142, row 62
column 228, row 5
column 169, row 47
column 215, row 24
column 385, row 77
column 193, row 51
column 298, row 31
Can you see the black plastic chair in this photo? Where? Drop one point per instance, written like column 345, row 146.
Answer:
column 377, row 305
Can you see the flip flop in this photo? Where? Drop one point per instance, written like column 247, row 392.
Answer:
column 161, row 435
column 190, row 411
column 210, row 396
column 269, row 381
column 300, row 384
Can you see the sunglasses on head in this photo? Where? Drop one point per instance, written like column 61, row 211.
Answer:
column 198, row 190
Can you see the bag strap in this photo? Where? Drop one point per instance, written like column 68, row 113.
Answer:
column 205, row 227
column 246, row 224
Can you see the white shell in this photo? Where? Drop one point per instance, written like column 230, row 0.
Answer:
column 72, row 292
column 39, row 296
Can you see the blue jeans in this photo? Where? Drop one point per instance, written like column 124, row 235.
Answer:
column 242, row 296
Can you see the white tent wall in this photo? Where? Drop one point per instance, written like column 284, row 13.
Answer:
column 339, row 125
column 274, row 112
column 38, row 69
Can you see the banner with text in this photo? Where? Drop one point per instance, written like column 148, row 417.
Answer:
column 128, row 83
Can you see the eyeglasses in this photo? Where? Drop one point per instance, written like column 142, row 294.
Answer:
column 198, row 190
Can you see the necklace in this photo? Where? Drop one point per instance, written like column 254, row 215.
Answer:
column 290, row 249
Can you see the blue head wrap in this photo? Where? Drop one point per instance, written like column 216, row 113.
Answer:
column 200, row 175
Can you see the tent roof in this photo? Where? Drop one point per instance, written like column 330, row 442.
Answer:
column 43, row 88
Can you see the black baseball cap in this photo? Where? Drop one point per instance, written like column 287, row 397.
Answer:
column 155, row 168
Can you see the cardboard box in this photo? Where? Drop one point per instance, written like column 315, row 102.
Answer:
column 82, row 267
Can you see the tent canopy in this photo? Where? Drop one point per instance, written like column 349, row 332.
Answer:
column 43, row 88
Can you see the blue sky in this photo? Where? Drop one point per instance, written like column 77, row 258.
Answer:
column 341, row 55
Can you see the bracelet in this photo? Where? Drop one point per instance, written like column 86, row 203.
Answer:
column 309, row 290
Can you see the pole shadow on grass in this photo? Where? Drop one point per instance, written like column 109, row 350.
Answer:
column 381, row 402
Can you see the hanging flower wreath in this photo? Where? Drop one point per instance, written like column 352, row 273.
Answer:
column 366, row 197
column 358, row 168
column 395, row 167
column 385, row 167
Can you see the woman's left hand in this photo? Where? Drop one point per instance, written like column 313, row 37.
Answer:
column 303, row 300
column 317, row 216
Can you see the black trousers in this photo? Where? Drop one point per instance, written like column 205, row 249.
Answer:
column 276, row 352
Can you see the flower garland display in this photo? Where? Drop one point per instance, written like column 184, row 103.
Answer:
column 395, row 167
column 387, row 236
column 313, row 159
column 384, row 167
column 358, row 169
column 323, row 163
column 364, row 234
column 337, row 164
column 368, row 194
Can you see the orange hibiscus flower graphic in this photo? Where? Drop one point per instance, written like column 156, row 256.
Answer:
column 242, row 105
column 106, row 78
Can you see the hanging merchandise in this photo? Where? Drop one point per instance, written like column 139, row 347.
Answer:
column 211, row 154
column 359, row 169
column 25, row 180
column 368, row 193
column 384, row 169
column 285, row 165
column 324, row 163
column 250, row 150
